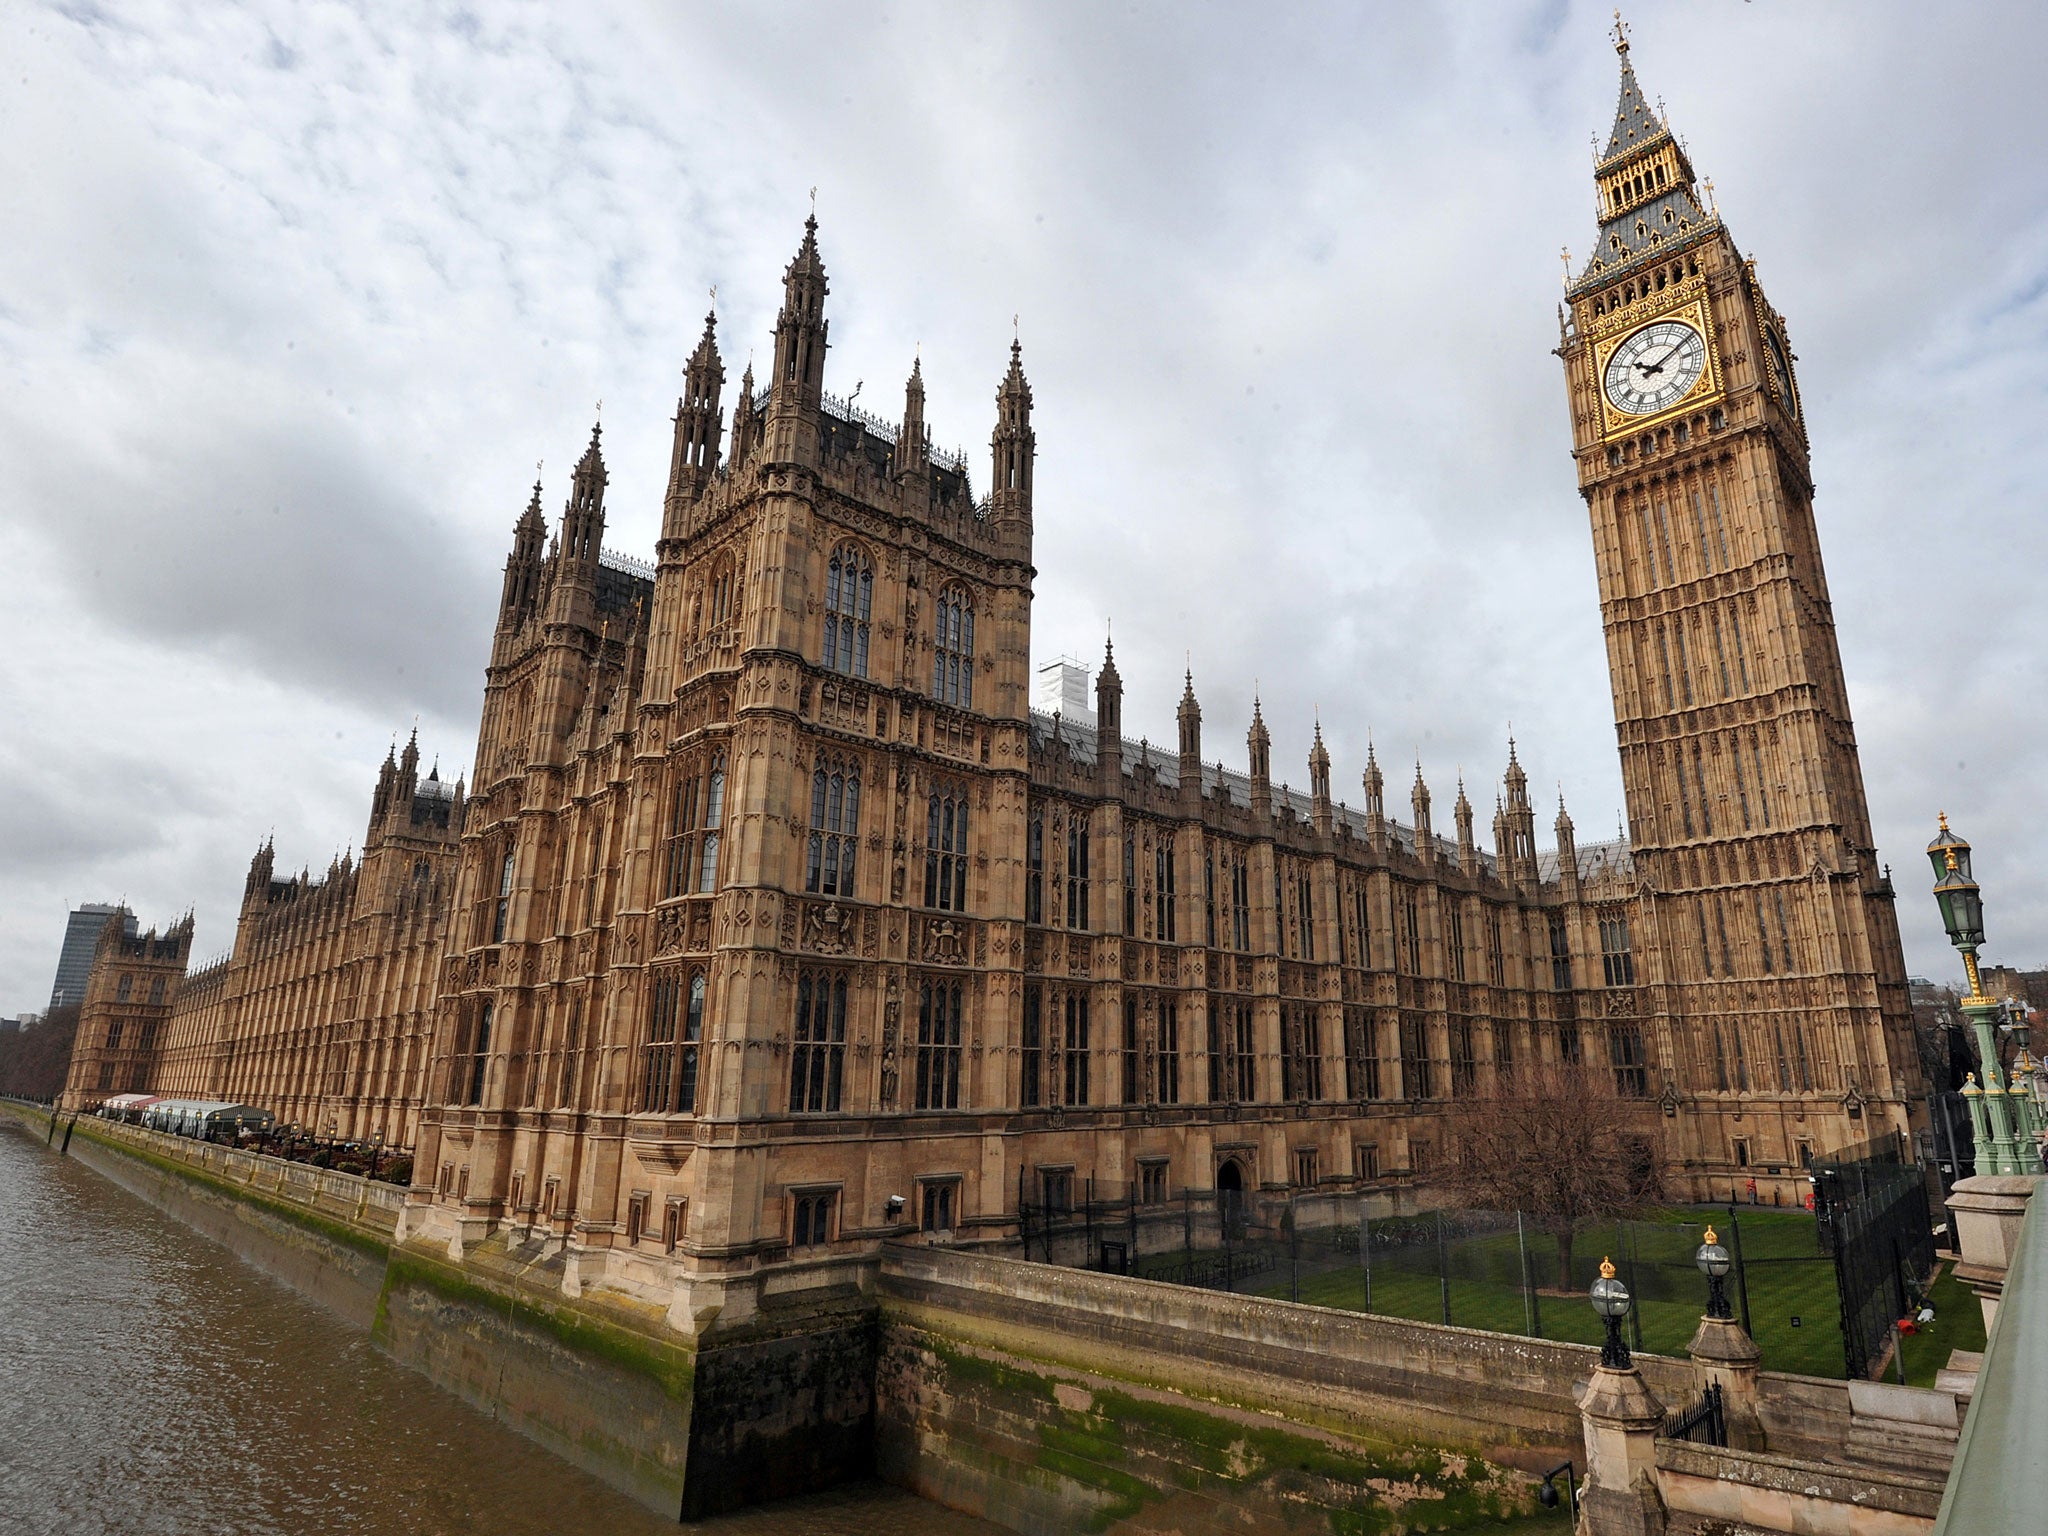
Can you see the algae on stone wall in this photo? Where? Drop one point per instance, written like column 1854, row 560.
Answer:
column 1119, row 1450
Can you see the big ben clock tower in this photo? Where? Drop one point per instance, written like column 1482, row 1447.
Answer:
column 1764, row 920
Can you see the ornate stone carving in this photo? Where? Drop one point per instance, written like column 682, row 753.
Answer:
column 944, row 942
column 828, row 929
column 668, row 930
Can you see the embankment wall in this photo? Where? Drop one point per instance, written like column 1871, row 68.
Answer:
column 1055, row 1399
column 1045, row 1399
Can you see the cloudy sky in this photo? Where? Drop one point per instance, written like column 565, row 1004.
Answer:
column 293, row 297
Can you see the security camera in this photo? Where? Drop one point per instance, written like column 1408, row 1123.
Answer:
column 893, row 1206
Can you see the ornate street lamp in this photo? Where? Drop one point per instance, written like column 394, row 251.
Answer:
column 1611, row 1300
column 2002, row 1120
column 1714, row 1263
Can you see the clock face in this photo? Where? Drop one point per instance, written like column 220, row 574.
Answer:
column 1656, row 367
column 1781, row 371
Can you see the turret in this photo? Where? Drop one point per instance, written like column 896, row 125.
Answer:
column 573, row 595
column 1013, row 446
column 694, row 459
column 913, row 439
column 1519, row 858
column 1567, row 851
column 523, row 565
column 583, row 518
column 409, row 766
column 1375, row 800
column 746, row 426
column 1418, row 798
column 1259, row 749
column 260, row 870
column 1190, row 744
column 1109, row 723
column 796, row 388
column 1461, row 813
column 387, row 781
column 1319, row 782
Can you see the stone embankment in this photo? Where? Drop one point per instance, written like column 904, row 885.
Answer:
column 1046, row 1399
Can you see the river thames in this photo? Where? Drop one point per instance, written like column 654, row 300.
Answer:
column 154, row 1383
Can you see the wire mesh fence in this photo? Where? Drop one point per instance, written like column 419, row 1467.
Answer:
column 1501, row 1271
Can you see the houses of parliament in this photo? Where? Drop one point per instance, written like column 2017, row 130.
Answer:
column 770, row 897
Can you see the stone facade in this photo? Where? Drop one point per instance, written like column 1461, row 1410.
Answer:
column 130, row 994
column 321, row 1012
column 777, row 923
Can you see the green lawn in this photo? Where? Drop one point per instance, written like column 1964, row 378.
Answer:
column 1958, row 1324
column 1793, row 1308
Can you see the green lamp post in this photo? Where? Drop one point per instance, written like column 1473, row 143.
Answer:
column 2003, row 1121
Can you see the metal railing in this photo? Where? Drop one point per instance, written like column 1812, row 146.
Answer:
column 1704, row 1423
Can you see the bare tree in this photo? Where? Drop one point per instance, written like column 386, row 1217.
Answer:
column 34, row 1061
column 1556, row 1142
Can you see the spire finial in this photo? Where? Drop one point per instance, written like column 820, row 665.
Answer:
column 1620, row 34
column 814, row 191
column 714, row 298
column 1564, row 254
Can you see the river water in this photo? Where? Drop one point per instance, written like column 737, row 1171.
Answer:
column 152, row 1383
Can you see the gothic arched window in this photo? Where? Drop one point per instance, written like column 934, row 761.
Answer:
column 849, row 597
column 724, row 594
column 953, row 650
column 938, row 1045
column 945, row 850
column 675, row 1035
column 503, row 910
column 835, row 829
column 696, row 811
column 816, row 1060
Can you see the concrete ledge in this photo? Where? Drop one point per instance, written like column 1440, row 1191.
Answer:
column 1780, row 1493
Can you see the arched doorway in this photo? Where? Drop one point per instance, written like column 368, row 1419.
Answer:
column 1230, row 1201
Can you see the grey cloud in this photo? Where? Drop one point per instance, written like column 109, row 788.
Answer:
column 1287, row 297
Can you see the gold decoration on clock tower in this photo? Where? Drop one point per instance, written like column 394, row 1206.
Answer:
column 1776, row 970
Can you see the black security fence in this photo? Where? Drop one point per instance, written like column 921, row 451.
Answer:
column 1496, row 1270
column 1872, row 1215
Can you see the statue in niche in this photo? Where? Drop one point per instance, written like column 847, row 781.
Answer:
column 891, row 1012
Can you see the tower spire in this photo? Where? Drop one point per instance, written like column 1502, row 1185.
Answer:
column 797, row 386
column 1109, row 721
column 1418, row 800
column 1647, row 199
column 523, row 565
column 695, row 458
column 1461, row 814
column 1375, row 798
column 913, row 439
column 1319, row 781
column 583, row 519
column 1259, row 751
column 1013, row 445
